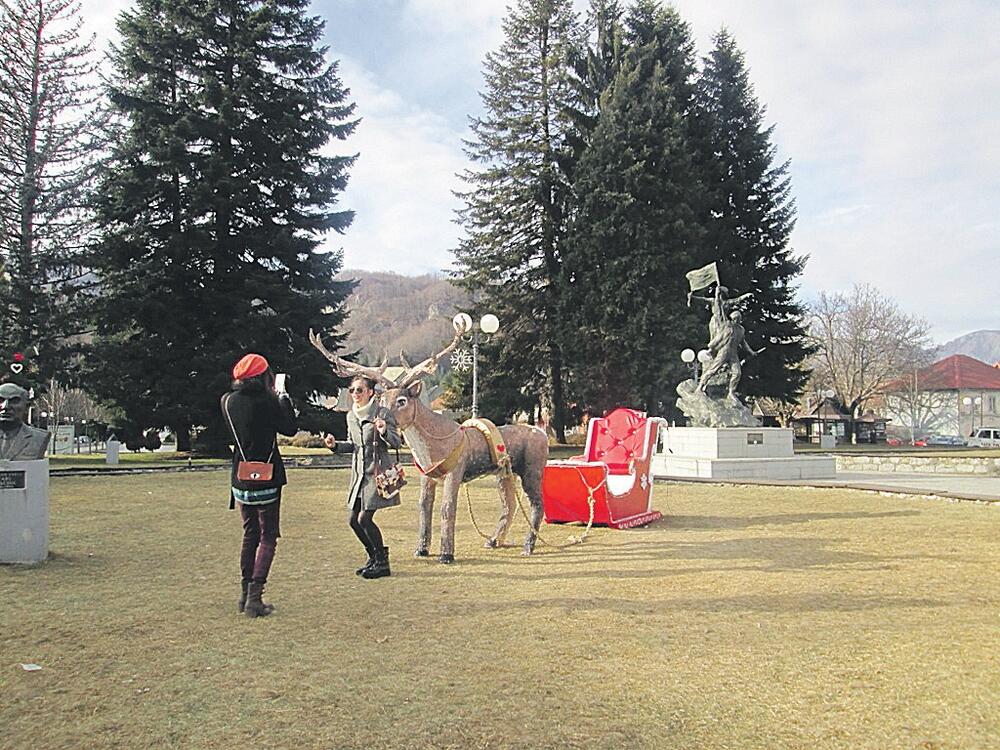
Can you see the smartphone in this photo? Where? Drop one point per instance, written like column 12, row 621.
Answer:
column 280, row 381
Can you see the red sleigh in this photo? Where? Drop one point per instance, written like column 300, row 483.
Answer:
column 614, row 467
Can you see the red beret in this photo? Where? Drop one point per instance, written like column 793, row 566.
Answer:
column 250, row 366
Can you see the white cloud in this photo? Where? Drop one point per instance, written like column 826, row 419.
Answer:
column 401, row 186
column 100, row 16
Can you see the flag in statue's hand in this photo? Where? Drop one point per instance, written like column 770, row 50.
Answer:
column 703, row 277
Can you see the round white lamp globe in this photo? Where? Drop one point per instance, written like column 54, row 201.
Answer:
column 688, row 355
column 704, row 356
column 489, row 323
column 462, row 323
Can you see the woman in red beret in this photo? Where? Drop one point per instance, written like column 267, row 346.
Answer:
column 255, row 414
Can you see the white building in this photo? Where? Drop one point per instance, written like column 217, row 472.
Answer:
column 951, row 397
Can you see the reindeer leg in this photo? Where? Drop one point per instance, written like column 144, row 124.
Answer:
column 428, row 488
column 531, row 481
column 449, row 505
column 506, row 487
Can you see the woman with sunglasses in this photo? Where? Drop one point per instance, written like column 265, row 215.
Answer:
column 371, row 432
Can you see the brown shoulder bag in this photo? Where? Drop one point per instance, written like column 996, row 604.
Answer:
column 250, row 471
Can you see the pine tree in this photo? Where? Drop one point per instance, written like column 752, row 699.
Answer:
column 218, row 193
column 49, row 145
column 636, row 231
column 749, row 221
column 516, row 203
column 594, row 66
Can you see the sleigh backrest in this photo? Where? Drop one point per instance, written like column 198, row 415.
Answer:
column 618, row 439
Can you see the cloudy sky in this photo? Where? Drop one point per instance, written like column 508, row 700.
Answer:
column 889, row 113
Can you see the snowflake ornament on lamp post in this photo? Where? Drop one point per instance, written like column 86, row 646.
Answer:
column 461, row 360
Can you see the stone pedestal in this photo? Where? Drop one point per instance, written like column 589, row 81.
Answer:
column 735, row 453
column 24, row 511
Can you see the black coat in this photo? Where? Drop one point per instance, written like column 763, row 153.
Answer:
column 257, row 415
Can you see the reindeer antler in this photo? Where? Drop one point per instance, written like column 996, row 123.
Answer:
column 428, row 366
column 346, row 369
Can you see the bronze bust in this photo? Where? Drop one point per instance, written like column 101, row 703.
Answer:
column 19, row 441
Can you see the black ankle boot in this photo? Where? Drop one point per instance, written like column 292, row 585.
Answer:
column 243, row 595
column 380, row 568
column 368, row 564
column 255, row 606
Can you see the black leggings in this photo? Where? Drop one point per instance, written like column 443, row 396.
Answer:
column 363, row 525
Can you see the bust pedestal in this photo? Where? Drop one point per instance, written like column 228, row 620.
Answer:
column 24, row 511
column 728, row 453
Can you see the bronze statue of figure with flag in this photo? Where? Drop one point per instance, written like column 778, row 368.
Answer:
column 721, row 304
column 727, row 339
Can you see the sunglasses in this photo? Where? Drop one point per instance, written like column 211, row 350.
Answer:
column 356, row 389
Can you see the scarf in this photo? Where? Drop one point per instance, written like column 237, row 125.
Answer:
column 364, row 412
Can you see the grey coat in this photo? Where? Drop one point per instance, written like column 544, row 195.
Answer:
column 363, row 439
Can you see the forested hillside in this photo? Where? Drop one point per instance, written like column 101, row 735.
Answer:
column 389, row 313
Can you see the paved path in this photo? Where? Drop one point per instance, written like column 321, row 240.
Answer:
column 947, row 485
column 958, row 486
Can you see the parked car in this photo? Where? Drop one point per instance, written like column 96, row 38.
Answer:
column 893, row 441
column 985, row 437
column 921, row 442
column 945, row 440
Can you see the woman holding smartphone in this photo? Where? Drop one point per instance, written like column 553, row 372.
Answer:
column 255, row 412
column 371, row 431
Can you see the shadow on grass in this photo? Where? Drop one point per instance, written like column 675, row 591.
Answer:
column 766, row 555
column 814, row 601
column 56, row 562
column 780, row 519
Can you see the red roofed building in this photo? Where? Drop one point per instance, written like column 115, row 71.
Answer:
column 950, row 397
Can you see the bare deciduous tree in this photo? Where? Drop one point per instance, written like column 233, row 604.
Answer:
column 864, row 341
column 62, row 403
column 921, row 411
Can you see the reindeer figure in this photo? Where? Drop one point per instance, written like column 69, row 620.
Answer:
column 448, row 454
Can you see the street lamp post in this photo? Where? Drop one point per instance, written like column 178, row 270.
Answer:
column 488, row 325
column 826, row 395
column 696, row 362
column 972, row 403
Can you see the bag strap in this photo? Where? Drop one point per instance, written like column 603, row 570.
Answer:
column 225, row 410
column 375, row 437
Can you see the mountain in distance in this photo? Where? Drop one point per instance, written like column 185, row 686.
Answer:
column 389, row 312
column 983, row 345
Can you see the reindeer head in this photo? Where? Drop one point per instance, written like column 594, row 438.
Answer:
column 402, row 399
column 403, row 403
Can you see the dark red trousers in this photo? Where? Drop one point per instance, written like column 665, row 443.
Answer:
column 260, row 538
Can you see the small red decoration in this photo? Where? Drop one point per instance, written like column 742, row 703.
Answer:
column 18, row 357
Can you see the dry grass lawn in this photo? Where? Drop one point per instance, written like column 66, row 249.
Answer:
column 748, row 618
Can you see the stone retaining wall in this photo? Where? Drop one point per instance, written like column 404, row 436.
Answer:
column 921, row 464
